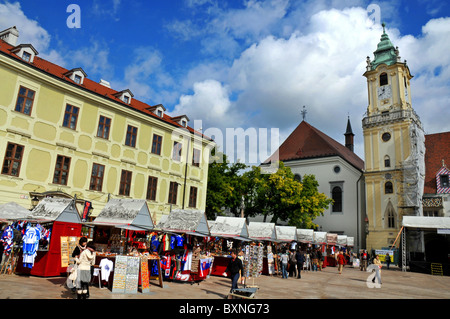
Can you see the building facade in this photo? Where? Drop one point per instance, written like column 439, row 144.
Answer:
column 63, row 134
column 394, row 147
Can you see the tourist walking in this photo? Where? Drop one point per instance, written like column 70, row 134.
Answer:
column 377, row 262
column 300, row 257
column 235, row 268
column 84, row 263
column 340, row 261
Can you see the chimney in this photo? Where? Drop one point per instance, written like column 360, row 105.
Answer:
column 349, row 136
column 10, row 35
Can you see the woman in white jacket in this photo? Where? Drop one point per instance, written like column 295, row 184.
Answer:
column 84, row 263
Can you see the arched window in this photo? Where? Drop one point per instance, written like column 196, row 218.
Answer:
column 388, row 188
column 387, row 161
column 336, row 195
column 383, row 79
column 297, row 177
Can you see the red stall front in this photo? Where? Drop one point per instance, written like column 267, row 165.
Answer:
column 57, row 217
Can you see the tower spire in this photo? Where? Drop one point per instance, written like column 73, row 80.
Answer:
column 349, row 136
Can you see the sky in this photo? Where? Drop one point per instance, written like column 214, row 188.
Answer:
column 247, row 66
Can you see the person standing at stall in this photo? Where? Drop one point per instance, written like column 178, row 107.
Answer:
column 235, row 268
column 284, row 259
column 388, row 260
column 300, row 260
column 84, row 263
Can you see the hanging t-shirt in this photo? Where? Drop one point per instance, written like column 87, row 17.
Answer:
column 106, row 267
column 7, row 239
column 30, row 246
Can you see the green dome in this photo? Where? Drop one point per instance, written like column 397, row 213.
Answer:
column 385, row 53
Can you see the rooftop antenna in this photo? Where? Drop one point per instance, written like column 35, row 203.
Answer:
column 304, row 113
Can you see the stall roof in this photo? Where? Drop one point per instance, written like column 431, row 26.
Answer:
column 262, row 231
column 56, row 209
column 350, row 241
column 235, row 227
column 342, row 240
column 185, row 221
column 286, row 233
column 13, row 211
column 426, row 222
column 332, row 238
column 123, row 213
column 320, row 237
column 305, row 235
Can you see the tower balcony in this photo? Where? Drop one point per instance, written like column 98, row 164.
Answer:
column 390, row 117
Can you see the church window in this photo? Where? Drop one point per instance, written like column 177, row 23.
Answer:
column 387, row 161
column 391, row 219
column 337, row 169
column 297, row 178
column 386, row 136
column 388, row 188
column 383, row 79
column 336, row 195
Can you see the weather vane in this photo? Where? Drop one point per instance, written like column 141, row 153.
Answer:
column 304, row 112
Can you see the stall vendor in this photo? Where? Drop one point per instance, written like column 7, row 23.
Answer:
column 235, row 268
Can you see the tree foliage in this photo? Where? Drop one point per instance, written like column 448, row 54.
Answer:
column 277, row 195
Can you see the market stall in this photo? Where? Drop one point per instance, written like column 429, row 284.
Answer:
column 228, row 233
column 45, row 246
column 11, row 215
column 265, row 233
column 183, row 246
column 122, row 233
column 332, row 250
column 320, row 240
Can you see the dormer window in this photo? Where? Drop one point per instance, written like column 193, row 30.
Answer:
column 25, row 51
column 444, row 181
column 158, row 109
column 76, row 75
column 182, row 120
column 26, row 56
column 124, row 95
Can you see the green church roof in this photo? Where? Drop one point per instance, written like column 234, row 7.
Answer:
column 385, row 53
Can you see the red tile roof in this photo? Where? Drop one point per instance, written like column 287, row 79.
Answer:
column 92, row 86
column 437, row 148
column 306, row 141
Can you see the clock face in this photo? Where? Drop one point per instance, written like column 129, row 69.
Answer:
column 384, row 92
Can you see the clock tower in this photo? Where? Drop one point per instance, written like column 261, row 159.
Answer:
column 394, row 147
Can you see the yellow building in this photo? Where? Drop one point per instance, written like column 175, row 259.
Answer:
column 63, row 134
column 394, row 147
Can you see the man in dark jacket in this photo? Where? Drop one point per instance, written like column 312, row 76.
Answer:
column 300, row 260
column 234, row 268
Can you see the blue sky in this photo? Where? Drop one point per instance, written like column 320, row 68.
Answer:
column 247, row 63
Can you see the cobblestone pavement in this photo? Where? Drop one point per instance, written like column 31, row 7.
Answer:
column 325, row 284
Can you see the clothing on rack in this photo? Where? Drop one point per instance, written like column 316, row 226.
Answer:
column 30, row 246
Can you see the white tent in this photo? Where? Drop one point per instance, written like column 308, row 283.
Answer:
column 342, row 240
column 13, row 211
column 286, row 233
column 320, row 237
column 262, row 231
column 192, row 222
column 132, row 214
column 305, row 235
column 56, row 209
column 426, row 222
column 234, row 227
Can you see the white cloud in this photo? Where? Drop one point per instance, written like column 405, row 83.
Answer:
column 321, row 66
